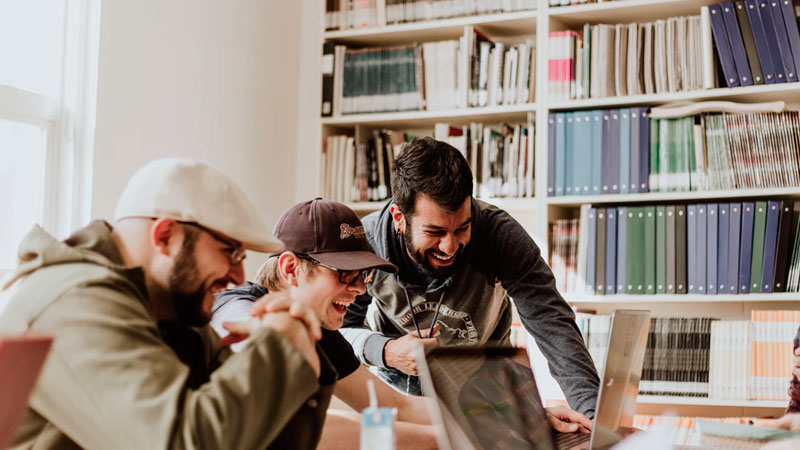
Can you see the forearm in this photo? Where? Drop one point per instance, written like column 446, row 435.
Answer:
column 368, row 345
column 342, row 431
column 413, row 409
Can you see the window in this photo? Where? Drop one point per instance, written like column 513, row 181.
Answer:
column 48, row 84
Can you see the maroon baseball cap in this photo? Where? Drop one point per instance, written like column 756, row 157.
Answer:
column 331, row 233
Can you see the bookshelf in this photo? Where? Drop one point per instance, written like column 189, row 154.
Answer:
column 537, row 212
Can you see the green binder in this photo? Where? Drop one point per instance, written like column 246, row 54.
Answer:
column 759, row 228
column 661, row 249
column 649, row 250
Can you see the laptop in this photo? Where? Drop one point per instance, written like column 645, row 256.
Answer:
column 486, row 398
column 21, row 360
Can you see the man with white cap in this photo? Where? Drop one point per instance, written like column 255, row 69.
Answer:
column 134, row 363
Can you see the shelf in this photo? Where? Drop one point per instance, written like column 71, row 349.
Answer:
column 504, row 113
column 508, row 204
column 495, row 25
column 701, row 401
column 576, row 200
column 789, row 92
column 682, row 298
column 626, row 11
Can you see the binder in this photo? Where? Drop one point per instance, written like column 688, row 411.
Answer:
column 561, row 155
column 723, row 237
column 789, row 19
column 634, row 151
column 749, row 43
column 772, row 42
column 661, row 249
column 649, row 250
column 624, row 150
column 691, row 246
column 614, row 150
column 569, row 149
column 600, row 255
column 644, row 149
column 680, row 249
column 757, row 255
column 737, row 46
column 770, row 245
column 623, row 239
column 723, row 46
column 582, row 151
column 746, row 246
column 597, row 152
column 786, row 230
column 702, row 220
column 775, row 10
column 761, row 41
column 671, row 250
column 734, row 244
column 712, row 213
column 551, row 155
column 611, row 251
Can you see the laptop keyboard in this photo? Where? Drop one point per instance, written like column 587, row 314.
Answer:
column 567, row 440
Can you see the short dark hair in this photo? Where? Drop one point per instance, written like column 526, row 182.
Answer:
column 433, row 168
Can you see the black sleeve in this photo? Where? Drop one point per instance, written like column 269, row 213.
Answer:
column 339, row 352
column 357, row 312
column 507, row 251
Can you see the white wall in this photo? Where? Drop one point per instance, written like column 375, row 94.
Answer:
column 208, row 79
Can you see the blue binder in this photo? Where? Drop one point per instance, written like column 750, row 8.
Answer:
column 746, row 248
column 702, row 220
column 624, row 150
column 644, row 148
column 622, row 247
column 691, row 247
column 734, row 244
column 635, row 153
column 591, row 250
column 723, row 248
column 737, row 45
column 614, row 151
column 611, row 251
column 783, row 40
column 723, row 46
column 597, row 152
column 772, row 42
column 569, row 153
column 551, row 155
column 762, row 44
column 789, row 19
column 770, row 246
column 712, row 212
column 582, row 151
column 561, row 155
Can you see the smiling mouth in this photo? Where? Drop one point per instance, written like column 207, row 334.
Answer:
column 341, row 307
column 442, row 259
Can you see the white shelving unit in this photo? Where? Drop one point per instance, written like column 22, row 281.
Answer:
column 535, row 213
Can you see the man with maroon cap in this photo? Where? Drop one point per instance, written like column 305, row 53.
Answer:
column 327, row 258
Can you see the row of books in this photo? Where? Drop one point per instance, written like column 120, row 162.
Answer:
column 715, row 248
column 626, row 151
column 346, row 14
column 501, row 159
column 563, row 247
column 707, row 357
column 627, row 59
column 757, row 41
column 359, row 172
column 470, row 71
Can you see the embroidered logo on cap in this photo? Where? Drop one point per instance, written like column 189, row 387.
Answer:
column 348, row 231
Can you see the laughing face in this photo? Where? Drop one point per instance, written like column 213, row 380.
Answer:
column 329, row 296
column 433, row 236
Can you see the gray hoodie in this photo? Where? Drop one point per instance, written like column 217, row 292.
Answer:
column 500, row 260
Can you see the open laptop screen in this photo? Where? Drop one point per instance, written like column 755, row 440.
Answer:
column 487, row 398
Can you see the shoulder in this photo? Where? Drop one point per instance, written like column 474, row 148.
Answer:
column 494, row 226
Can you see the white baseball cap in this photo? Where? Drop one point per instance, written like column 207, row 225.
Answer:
column 188, row 190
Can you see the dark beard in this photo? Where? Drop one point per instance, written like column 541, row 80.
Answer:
column 420, row 259
column 188, row 305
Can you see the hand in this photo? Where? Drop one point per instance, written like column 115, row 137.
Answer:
column 239, row 331
column 283, row 302
column 399, row 353
column 568, row 421
column 789, row 422
column 796, row 363
column 297, row 333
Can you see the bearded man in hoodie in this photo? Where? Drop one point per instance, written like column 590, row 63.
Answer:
column 459, row 259
column 134, row 363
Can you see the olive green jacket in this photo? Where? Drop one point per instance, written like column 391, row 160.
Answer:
column 111, row 382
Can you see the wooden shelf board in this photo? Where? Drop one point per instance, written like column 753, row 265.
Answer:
column 625, row 11
column 789, row 92
column 454, row 116
column 495, row 25
column 701, row 401
column 575, row 200
column 682, row 298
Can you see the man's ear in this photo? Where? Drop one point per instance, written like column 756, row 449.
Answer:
column 289, row 268
column 398, row 218
column 166, row 236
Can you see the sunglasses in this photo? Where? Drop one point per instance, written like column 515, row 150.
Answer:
column 345, row 276
column 236, row 251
